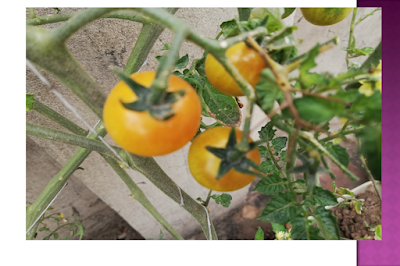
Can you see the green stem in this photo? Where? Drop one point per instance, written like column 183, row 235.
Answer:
column 208, row 198
column 58, row 229
column 72, row 139
column 333, row 176
column 145, row 41
column 54, row 186
column 54, row 18
column 136, row 191
column 343, row 133
column 219, row 35
column 56, row 59
column 56, row 117
column 80, row 19
column 310, row 138
column 274, row 160
column 145, row 165
column 351, row 35
column 150, row 169
column 32, row 14
column 138, row 195
column 371, row 177
column 370, row 14
column 165, row 68
column 244, row 142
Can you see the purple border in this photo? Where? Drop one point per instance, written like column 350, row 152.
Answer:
column 387, row 251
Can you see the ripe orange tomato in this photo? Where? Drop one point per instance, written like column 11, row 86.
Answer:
column 325, row 16
column 247, row 61
column 204, row 165
column 139, row 132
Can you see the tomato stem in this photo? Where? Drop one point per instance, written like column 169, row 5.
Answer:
column 350, row 43
column 208, row 198
column 166, row 66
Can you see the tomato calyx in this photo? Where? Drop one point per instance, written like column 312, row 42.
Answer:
column 162, row 111
column 232, row 158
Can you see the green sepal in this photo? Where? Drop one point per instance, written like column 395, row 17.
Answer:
column 162, row 111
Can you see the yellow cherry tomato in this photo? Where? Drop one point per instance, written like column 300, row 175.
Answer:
column 139, row 132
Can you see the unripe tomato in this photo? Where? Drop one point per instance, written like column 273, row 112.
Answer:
column 204, row 165
column 139, row 132
column 247, row 61
column 325, row 16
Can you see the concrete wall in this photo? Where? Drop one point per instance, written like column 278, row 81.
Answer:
column 108, row 42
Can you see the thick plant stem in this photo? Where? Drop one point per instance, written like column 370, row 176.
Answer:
column 138, row 195
column 145, row 165
column 147, row 37
column 56, row 117
column 33, row 211
column 56, row 59
column 80, row 19
column 72, row 139
column 53, row 18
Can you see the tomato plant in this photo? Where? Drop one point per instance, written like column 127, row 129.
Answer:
column 325, row 16
column 247, row 61
column 139, row 132
column 204, row 165
column 154, row 113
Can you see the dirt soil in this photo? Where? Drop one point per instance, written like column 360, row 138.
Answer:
column 352, row 225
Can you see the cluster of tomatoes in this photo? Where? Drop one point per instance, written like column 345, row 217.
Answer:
column 141, row 134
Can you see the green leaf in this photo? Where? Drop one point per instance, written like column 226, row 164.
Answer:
column 279, row 143
column 348, row 96
column 271, row 185
column 81, row 231
column 274, row 22
column 267, row 90
column 327, row 222
column 44, row 229
column 267, row 132
column 259, row 234
column 263, row 151
column 65, row 238
column 299, row 229
column 358, row 206
column 182, row 62
column 55, row 235
column 356, row 52
column 324, row 197
column 72, row 233
column 29, row 102
column 223, row 108
column 279, row 209
column 166, row 47
column 161, row 237
column 339, row 153
column 282, row 39
column 276, row 227
column 317, row 110
column 229, row 27
column 46, row 238
column 282, row 156
column 288, row 11
column 268, row 166
column 378, row 232
column 223, row 199
column 370, row 108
